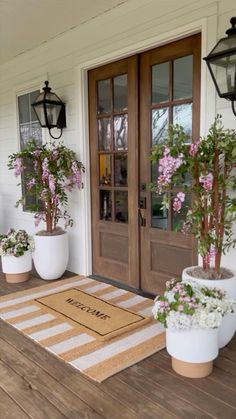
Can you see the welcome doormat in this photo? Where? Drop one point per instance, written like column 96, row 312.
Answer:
column 76, row 344
column 102, row 318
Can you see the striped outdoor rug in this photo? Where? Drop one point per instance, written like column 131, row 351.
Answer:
column 72, row 342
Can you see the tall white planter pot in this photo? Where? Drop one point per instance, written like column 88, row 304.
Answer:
column 228, row 325
column 17, row 269
column 192, row 351
column 51, row 255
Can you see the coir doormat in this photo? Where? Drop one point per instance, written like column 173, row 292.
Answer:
column 38, row 314
column 102, row 318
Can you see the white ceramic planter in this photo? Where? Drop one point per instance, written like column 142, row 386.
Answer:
column 192, row 351
column 228, row 326
column 17, row 269
column 51, row 255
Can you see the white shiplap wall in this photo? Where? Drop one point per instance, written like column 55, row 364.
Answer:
column 132, row 27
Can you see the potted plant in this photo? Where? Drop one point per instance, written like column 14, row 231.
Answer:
column 210, row 164
column 191, row 314
column 16, row 252
column 55, row 171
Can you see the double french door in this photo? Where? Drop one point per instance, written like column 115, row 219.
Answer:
column 131, row 104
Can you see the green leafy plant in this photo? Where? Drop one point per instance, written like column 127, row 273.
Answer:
column 55, row 172
column 210, row 163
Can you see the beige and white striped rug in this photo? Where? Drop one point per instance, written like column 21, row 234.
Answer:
column 72, row 342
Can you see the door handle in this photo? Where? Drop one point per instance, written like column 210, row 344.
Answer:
column 142, row 219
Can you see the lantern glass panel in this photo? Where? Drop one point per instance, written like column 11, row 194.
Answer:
column 39, row 110
column 224, row 70
column 225, row 44
column 40, row 97
column 53, row 112
column 52, row 96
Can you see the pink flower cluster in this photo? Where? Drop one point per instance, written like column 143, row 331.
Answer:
column 185, row 300
column 31, row 183
column 178, row 201
column 210, row 255
column 52, row 184
column 206, row 181
column 167, row 167
column 193, row 149
column 18, row 166
column 76, row 178
column 45, row 172
column 164, row 306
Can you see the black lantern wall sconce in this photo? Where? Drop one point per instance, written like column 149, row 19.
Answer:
column 222, row 65
column 50, row 110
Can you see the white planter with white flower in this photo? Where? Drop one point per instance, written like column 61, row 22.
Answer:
column 228, row 325
column 16, row 252
column 192, row 315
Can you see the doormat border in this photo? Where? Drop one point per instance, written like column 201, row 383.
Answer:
column 115, row 332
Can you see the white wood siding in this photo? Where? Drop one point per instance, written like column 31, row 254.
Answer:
column 132, row 27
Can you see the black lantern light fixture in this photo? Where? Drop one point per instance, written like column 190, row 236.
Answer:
column 222, row 65
column 50, row 110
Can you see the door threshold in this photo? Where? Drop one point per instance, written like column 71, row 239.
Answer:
column 123, row 286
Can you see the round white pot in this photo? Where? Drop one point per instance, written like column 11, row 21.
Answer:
column 192, row 351
column 17, row 269
column 227, row 328
column 51, row 255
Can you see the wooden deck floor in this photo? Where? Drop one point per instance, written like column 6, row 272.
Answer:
column 34, row 384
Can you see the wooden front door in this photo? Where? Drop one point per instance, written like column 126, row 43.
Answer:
column 131, row 104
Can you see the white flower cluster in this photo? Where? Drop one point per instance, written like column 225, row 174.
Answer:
column 223, row 306
column 179, row 321
column 205, row 319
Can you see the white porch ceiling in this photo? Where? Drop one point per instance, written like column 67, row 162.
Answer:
column 25, row 24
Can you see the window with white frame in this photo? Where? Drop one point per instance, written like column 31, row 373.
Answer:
column 29, row 128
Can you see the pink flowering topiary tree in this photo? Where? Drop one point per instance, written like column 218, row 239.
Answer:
column 211, row 164
column 55, row 172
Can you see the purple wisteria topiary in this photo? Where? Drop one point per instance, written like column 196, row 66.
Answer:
column 55, row 172
column 205, row 169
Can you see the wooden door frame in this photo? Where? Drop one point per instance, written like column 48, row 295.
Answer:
column 82, row 131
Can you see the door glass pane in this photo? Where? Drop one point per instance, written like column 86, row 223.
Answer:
column 104, row 96
column 121, row 132
column 121, row 169
column 105, row 169
column 183, row 77
column 160, row 121
column 121, row 207
column 160, row 83
column 120, row 93
column 159, row 216
column 178, row 218
column 105, row 205
column 104, row 134
column 23, row 107
column 182, row 115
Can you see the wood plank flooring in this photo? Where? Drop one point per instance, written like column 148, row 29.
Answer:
column 34, row 384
